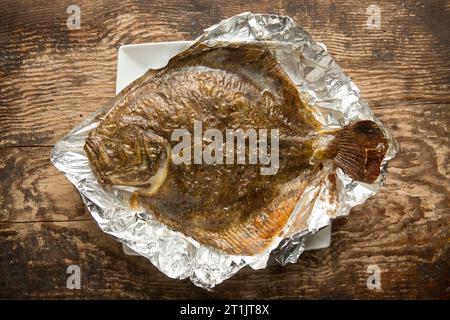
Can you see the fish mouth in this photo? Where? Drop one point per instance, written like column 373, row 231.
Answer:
column 92, row 150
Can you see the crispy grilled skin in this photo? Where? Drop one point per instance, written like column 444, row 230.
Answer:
column 231, row 207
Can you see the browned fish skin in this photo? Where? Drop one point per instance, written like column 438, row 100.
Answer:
column 231, row 207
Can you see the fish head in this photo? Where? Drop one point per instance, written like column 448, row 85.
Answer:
column 129, row 156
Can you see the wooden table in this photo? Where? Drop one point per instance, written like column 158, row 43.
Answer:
column 52, row 77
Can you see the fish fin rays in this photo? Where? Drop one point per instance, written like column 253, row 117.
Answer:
column 360, row 148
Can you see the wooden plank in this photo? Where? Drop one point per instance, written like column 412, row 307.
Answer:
column 403, row 230
column 52, row 77
column 411, row 251
column 32, row 189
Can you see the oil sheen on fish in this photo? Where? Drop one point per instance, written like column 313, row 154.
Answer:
column 232, row 207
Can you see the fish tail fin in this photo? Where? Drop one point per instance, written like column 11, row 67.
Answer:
column 359, row 149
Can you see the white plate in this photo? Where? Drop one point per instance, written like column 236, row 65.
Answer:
column 135, row 59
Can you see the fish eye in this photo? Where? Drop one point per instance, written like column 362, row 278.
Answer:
column 109, row 144
column 127, row 148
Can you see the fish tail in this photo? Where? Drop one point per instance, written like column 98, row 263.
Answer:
column 359, row 149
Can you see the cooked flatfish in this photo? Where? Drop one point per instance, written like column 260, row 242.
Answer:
column 233, row 207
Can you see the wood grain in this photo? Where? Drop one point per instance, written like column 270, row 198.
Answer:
column 52, row 77
column 32, row 189
column 106, row 272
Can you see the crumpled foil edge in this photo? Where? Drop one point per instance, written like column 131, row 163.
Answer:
column 323, row 85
